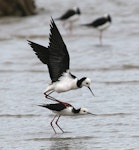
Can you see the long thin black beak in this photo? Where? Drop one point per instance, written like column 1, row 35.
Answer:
column 91, row 114
column 91, row 91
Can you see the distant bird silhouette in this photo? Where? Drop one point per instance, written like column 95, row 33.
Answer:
column 70, row 16
column 57, row 59
column 63, row 109
column 101, row 24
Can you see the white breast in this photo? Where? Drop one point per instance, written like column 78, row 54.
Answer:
column 73, row 18
column 66, row 83
column 66, row 112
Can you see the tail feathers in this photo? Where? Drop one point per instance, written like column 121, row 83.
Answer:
column 43, row 105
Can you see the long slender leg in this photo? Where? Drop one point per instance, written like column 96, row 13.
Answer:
column 58, row 125
column 70, row 28
column 47, row 94
column 53, row 99
column 51, row 123
column 64, row 24
column 100, row 37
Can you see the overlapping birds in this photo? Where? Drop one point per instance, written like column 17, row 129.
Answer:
column 57, row 59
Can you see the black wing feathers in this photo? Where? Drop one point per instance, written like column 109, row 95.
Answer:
column 55, row 107
column 41, row 51
column 55, row 56
column 59, row 57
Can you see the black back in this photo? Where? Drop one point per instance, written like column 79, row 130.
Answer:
column 67, row 15
column 60, row 106
column 100, row 21
column 54, row 107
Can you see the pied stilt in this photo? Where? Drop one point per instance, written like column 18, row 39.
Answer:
column 57, row 59
column 101, row 24
column 70, row 16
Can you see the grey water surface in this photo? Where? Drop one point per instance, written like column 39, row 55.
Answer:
column 113, row 68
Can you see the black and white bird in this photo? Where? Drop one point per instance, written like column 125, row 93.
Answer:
column 69, row 17
column 63, row 109
column 57, row 59
column 101, row 24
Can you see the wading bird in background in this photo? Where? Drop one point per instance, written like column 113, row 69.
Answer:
column 101, row 24
column 69, row 17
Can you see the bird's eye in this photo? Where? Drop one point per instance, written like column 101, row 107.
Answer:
column 84, row 111
column 87, row 83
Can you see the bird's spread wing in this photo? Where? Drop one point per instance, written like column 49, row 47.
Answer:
column 99, row 21
column 59, row 57
column 68, row 14
column 41, row 51
column 56, row 55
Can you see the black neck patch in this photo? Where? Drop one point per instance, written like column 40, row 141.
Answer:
column 109, row 19
column 76, row 111
column 73, row 76
column 79, row 82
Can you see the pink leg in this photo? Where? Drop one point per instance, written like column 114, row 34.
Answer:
column 70, row 28
column 52, row 123
column 64, row 24
column 58, row 125
column 100, row 37
column 51, row 98
column 47, row 94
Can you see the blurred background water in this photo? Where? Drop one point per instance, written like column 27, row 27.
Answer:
column 113, row 68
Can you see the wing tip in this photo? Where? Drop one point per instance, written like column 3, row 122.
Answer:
column 52, row 24
column 54, row 31
column 29, row 42
column 52, row 21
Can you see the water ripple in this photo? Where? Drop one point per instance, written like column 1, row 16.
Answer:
column 19, row 115
column 61, row 138
column 114, row 114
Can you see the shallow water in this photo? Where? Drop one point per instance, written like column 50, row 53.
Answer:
column 113, row 68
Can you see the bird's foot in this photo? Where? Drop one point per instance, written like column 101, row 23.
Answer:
column 46, row 95
column 50, row 97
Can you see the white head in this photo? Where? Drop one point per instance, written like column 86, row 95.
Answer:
column 77, row 10
column 108, row 17
column 84, row 111
column 84, row 82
